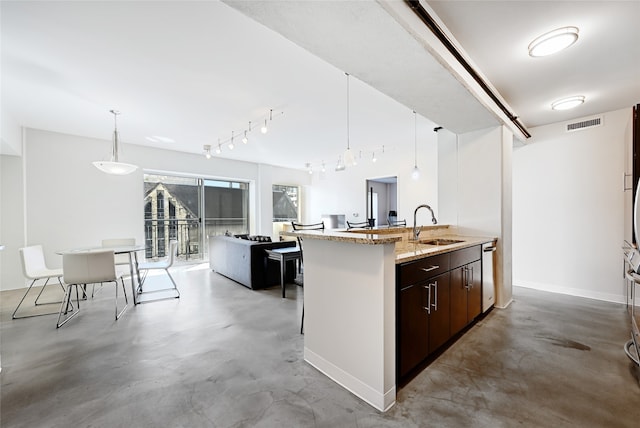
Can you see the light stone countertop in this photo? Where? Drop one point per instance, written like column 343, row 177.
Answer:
column 406, row 249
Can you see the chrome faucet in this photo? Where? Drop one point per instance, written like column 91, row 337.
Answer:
column 416, row 229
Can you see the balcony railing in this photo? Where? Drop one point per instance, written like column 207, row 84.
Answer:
column 188, row 233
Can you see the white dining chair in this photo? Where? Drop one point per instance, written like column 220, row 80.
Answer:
column 88, row 268
column 120, row 259
column 35, row 268
column 161, row 265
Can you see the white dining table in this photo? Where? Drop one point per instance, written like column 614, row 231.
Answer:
column 131, row 250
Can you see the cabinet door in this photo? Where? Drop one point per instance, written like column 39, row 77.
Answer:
column 413, row 346
column 439, row 318
column 474, row 293
column 458, row 299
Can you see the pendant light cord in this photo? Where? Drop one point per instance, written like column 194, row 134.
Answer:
column 415, row 140
column 348, row 145
column 114, row 146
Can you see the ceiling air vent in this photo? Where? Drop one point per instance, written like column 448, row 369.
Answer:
column 584, row 124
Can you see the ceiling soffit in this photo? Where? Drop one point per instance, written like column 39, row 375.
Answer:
column 391, row 59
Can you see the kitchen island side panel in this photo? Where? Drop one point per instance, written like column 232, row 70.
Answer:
column 349, row 325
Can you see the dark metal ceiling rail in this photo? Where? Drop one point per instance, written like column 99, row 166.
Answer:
column 437, row 31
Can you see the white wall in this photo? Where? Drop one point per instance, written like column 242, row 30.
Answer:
column 11, row 135
column 69, row 203
column 11, row 220
column 345, row 192
column 474, row 182
column 568, row 209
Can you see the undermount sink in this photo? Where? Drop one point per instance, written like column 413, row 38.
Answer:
column 440, row 241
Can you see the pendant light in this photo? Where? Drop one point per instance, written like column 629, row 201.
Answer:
column 113, row 166
column 415, row 174
column 349, row 159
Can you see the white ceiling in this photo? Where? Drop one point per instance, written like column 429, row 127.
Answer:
column 196, row 71
column 604, row 64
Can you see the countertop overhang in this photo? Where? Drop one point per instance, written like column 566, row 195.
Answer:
column 406, row 248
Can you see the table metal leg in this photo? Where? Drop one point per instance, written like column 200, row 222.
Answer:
column 282, row 266
column 132, row 256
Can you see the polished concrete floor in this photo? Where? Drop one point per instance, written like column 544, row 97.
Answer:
column 226, row 356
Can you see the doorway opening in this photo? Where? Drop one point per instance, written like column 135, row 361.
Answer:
column 382, row 200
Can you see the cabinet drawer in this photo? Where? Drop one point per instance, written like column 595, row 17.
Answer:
column 420, row 270
column 465, row 256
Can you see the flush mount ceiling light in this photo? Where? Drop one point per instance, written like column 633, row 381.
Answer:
column 553, row 41
column 113, row 166
column 567, row 103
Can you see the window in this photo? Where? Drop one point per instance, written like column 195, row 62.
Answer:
column 188, row 209
column 285, row 203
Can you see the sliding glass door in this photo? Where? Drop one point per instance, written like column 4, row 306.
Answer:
column 174, row 207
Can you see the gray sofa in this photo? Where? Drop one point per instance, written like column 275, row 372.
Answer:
column 245, row 261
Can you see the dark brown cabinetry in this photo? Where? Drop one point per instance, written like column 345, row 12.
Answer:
column 436, row 298
column 466, row 287
column 466, row 295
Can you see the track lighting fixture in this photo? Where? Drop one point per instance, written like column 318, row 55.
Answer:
column 231, row 145
column 264, row 128
column 207, row 151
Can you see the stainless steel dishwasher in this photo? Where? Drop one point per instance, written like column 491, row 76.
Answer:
column 488, row 281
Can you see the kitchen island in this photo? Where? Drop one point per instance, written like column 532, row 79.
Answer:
column 350, row 302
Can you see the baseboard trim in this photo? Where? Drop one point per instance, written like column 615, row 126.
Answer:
column 552, row 288
column 382, row 401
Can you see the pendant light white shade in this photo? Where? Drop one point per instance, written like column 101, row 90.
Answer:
column 553, row 41
column 415, row 174
column 113, row 166
column 349, row 159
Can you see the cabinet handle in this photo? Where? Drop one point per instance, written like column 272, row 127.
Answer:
column 429, row 269
column 428, row 307
column 465, row 277
column 435, row 295
column 471, row 281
